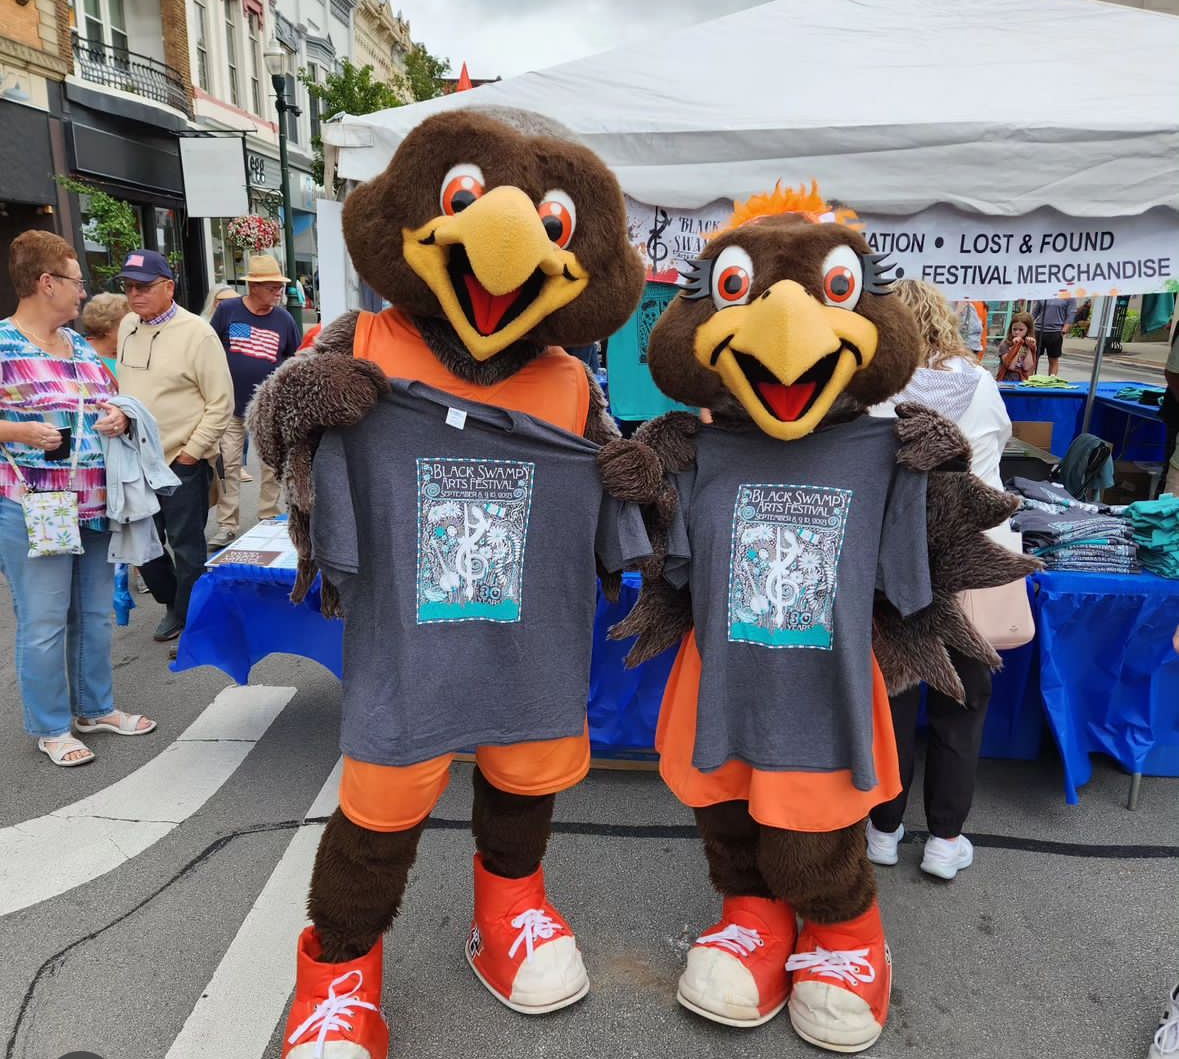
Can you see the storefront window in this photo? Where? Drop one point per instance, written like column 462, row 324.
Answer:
column 256, row 62
column 228, row 264
column 200, row 16
column 98, row 261
column 313, row 102
column 231, row 52
column 104, row 22
column 292, row 120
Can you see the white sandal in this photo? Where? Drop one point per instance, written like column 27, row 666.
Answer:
column 128, row 724
column 65, row 745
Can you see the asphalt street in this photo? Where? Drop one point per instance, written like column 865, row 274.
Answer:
column 150, row 902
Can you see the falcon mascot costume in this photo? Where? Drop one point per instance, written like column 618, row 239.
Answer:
column 497, row 240
column 807, row 560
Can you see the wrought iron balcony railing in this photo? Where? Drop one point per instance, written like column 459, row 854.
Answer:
column 119, row 68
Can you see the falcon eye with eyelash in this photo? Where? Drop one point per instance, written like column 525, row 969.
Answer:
column 696, row 279
column 876, row 278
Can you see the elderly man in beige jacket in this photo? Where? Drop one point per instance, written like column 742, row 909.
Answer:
column 173, row 362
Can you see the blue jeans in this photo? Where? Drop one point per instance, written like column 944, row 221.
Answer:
column 63, row 607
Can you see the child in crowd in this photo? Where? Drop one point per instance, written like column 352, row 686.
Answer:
column 1017, row 352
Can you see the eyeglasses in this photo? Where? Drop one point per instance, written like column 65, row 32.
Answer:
column 122, row 359
column 131, row 287
column 79, row 283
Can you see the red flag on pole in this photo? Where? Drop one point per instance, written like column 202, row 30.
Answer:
column 464, row 81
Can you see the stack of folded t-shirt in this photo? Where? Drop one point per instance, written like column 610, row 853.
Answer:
column 1049, row 382
column 1156, row 531
column 1069, row 534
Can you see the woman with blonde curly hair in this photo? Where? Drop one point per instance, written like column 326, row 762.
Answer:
column 953, row 384
column 100, row 324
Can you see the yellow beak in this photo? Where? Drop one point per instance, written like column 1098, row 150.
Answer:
column 494, row 270
column 786, row 356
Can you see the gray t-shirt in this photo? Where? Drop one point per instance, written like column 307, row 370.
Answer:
column 786, row 544
column 462, row 539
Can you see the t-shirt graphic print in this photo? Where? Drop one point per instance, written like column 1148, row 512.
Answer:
column 472, row 536
column 261, row 343
column 783, row 564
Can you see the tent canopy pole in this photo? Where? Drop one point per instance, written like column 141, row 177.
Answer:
column 1107, row 306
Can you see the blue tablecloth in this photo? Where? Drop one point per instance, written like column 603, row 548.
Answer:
column 1101, row 669
column 1065, row 410
column 1108, row 674
column 240, row 614
column 1135, row 430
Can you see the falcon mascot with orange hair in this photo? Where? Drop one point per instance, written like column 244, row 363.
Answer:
column 808, row 557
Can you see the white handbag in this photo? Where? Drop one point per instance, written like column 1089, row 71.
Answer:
column 51, row 516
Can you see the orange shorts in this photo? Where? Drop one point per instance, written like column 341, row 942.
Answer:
column 393, row 798
column 795, row 801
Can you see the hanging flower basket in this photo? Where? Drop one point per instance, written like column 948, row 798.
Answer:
column 252, row 233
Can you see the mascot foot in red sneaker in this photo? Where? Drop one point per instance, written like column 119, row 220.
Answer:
column 520, row 946
column 842, row 977
column 736, row 972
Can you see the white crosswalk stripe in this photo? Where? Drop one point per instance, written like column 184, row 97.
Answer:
column 238, row 1010
column 46, row 856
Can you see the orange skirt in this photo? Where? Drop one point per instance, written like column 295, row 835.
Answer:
column 794, row 801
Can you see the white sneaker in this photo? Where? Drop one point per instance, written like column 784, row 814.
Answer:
column 1166, row 1037
column 882, row 845
column 945, row 857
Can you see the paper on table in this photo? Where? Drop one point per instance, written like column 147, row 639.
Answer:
column 267, row 544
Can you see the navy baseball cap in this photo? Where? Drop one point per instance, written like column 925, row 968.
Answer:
column 143, row 266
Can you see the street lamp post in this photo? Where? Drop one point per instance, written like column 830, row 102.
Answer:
column 279, row 62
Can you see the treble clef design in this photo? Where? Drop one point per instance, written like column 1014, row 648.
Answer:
column 468, row 563
column 657, row 251
column 782, row 589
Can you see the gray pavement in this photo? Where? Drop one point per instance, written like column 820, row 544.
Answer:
column 1060, row 941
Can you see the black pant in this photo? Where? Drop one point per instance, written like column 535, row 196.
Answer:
column 1169, row 413
column 181, row 526
column 951, row 757
column 1050, row 343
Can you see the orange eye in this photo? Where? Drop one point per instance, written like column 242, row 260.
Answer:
column 843, row 278
column 839, row 285
column 732, row 277
column 733, row 284
column 559, row 217
column 461, row 186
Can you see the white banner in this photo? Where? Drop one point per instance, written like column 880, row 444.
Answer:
column 214, row 175
column 1039, row 255
column 333, row 259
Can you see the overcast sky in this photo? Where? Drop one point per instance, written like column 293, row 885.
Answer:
column 508, row 37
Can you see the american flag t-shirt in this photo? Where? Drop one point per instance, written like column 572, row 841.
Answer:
column 258, row 342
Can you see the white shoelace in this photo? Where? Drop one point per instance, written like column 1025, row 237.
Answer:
column 331, row 1013
column 1166, row 1037
column 848, row 965
column 735, row 938
column 534, row 925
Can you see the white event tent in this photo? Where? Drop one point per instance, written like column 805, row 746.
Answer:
column 1016, row 148
column 998, row 107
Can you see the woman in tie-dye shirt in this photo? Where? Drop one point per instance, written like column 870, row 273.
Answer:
column 63, row 602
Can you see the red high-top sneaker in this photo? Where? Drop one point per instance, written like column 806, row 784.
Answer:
column 842, row 980
column 337, row 1008
column 736, row 971
column 520, row 946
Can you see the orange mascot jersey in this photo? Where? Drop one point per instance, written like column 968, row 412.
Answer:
column 795, row 801
column 553, row 387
